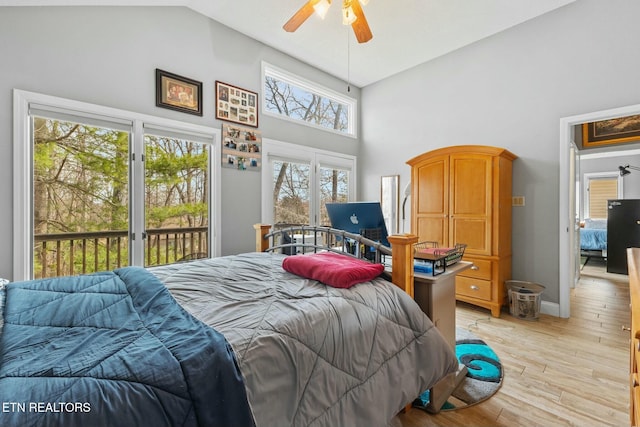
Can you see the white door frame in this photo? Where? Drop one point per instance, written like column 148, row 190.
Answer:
column 566, row 216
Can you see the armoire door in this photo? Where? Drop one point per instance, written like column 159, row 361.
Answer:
column 470, row 205
column 430, row 190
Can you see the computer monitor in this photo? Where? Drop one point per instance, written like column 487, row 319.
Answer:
column 355, row 217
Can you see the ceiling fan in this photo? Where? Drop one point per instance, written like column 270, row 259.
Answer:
column 352, row 14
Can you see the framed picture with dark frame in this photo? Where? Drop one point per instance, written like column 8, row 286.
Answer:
column 237, row 105
column 611, row 131
column 178, row 93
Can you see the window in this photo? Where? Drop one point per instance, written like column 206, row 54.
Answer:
column 291, row 97
column 99, row 188
column 600, row 187
column 298, row 181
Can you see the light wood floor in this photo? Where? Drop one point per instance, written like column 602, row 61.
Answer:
column 557, row 372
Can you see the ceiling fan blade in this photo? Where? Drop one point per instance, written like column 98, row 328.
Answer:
column 360, row 26
column 300, row 16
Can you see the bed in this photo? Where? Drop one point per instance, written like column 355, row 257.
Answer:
column 229, row 341
column 593, row 239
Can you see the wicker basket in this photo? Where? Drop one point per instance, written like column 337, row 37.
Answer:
column 524, row 299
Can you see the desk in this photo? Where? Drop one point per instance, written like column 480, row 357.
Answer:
column 436, row 296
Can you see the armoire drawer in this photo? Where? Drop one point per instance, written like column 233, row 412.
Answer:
column 480, row 269
column 472, row 287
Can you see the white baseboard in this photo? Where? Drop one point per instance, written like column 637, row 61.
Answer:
column 551, row 308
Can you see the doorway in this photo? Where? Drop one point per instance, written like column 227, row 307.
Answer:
column 566, row 208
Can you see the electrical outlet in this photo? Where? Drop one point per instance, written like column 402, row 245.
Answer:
column 517, row 201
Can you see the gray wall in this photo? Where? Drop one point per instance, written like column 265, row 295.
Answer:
column 108, row 56
column 510, row 90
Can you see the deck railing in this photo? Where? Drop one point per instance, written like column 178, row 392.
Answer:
column 64, row 254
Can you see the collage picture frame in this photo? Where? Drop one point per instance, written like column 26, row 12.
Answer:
column 237, row 105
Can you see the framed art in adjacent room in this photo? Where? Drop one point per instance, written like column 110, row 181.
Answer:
column 237, row 105
column 178, row 93
column 612, row 131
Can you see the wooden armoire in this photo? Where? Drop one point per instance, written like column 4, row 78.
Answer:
column 462, row 194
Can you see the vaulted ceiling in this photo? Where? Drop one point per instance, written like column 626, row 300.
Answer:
column 405, row 32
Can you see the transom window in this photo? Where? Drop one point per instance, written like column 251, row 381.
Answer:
column 292, row 97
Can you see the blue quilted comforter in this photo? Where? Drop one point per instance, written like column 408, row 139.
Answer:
column 112, row 349
column 593, row 239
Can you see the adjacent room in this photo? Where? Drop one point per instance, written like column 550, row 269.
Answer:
column 424, row 177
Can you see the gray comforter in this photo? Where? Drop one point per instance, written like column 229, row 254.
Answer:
column 312, row 355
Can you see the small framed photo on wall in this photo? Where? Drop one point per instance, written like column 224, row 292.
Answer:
column 234, row 104
column 178, row 93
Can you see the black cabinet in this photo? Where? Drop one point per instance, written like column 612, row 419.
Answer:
column 623, row 231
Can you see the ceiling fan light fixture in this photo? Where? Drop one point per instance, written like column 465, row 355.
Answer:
column 352, row 14
column 348, row 16
column 322, row 7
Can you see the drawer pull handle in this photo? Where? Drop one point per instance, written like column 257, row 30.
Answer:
column 626, row 328
column 475, row 267
column 474, row 288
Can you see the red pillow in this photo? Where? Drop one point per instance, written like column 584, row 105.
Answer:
column 339, row 271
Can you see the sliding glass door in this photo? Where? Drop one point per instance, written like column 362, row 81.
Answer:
column 298, row 182
column 97, row 189
column 80, row 197
column 333, row 182
column 291, row 192
column 176, row 200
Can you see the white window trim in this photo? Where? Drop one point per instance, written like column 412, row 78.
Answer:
column 23, row 169
column 599, row 175
column 272, row 148
column 301, row 82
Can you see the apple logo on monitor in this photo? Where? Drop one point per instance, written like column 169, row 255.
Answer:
column 354, row 219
